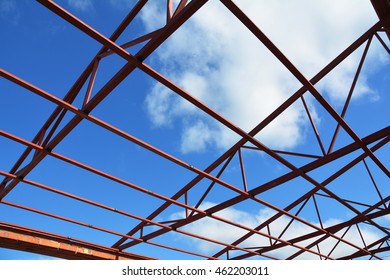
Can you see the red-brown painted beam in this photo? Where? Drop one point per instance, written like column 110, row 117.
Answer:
column 380, row 249
column 126, row 70
column 80, row 114
column 349, row 50
column 245, row 136
column 75, row 89
column 302, row 79
column 39, row 242
column 337, row 154
column 110, row 85
column 148, row 70
column 312, row 192
column 180, row 7
column 138, row 188
column 349, row 97
column 382, row 9
column 331, row 229
column 134, row 42
column 108, row 208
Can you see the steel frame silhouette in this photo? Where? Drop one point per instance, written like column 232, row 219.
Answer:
column 149, row 228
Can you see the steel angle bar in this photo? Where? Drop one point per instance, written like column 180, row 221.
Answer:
column 352, row 88
column 146, row 191
column 315, row 190
column 301, row 78
column 332, row 229
column 349, row 50
column 122, row 74
column 80, row 114
column 127, row 56
column 263, row 188
column 75, row 89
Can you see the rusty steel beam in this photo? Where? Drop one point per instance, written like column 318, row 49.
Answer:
column 35, row 241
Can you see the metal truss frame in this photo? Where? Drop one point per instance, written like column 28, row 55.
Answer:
column 50, row 136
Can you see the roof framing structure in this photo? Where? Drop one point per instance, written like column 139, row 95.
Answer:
column 362, row 150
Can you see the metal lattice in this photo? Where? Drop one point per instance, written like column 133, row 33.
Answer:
column 291, row 195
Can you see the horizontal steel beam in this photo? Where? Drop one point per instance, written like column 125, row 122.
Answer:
column 39, row 242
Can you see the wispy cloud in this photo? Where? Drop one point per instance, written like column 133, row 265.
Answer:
column 82, row 5
column 122, row 3
column 217, row 60
column 9, row 11
column 88, row 5
column 7, row 6
column 196, row 137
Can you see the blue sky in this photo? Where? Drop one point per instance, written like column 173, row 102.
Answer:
column 219, row 62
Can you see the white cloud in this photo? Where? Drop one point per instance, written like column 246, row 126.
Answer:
column 159, row 101
column 82, row 5
column 196, row 137
column 217, row 60
column 224, row 232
